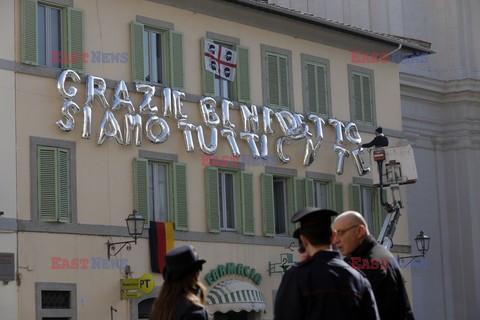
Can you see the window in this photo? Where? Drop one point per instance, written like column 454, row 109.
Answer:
column 320, row 194
column 158, row 191
column 280, row 197
column 226, row 183
column 53, row 196
column 216, row 86
column 366, row 200
column 229, row 200
column 145, row 308
column 161, row 189
column 157, row 53
column 56, row 301
column 362, row 101
column 154, row 56
column 49, row 35
column 52, row 36
column 277, row 75
column 315, row 73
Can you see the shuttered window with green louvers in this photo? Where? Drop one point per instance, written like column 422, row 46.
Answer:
column 157, row 56
column 54, row 184
column 229, row 194
column 316, row 88
column 278, row 82
column 171, row 186
column 363, row 98
column 366, row 201
column 52, row 35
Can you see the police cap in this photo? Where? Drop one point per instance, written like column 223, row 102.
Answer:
column 311, row 216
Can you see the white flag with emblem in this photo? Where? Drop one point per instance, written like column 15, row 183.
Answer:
column 220, row 60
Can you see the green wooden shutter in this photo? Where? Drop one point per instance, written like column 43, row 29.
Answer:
column 213, row 201
column 268, row 210
column 208, row 78
column 309, row 195
column 291, row 204
column 176, row 60
column 336, row 196
column 243, row 75
column 357, row 96
column 356, row 198
column 76, row 37
column 29, row 32
column 379, row 212
column 367, row 99
column 248, row 212
column 180, row 196
column 64, row 187
column 47, row 183
column 300, row 194
column 137, row 57
column 311, row 88
column 273, row 80
column 321, row 90
column 140, row 177
column 284, row 82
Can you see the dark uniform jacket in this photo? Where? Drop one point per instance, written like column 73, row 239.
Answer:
column 383, row 272
column 378, row 141
column 324, row 287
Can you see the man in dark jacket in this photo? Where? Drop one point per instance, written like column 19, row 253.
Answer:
column 323, row 286
column 379, row 141
column 382, row 270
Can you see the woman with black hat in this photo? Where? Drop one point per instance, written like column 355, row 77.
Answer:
column 182, row 296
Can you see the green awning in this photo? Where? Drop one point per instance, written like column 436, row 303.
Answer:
column 235, row 295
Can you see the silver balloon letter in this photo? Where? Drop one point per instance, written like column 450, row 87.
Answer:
column 87, row 121
column 149, row 92
column 167, row 102
column 109, row 128
column 207, row 109
column 178, row 105
column 72, row 91
column 359, row 162
column 251, row 138
column 210, row 149
column 230, row 135
column 68, row 106
column 267, row 120
column 133, row 124
column 121, row 98
column 162, row 136
column 352, row 134
column 187, row 129
column 338, row 125
column 226, row 106
column 96, row 87
column 341, row 154
column 249, row 118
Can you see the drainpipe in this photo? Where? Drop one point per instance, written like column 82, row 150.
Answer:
column 390, row 53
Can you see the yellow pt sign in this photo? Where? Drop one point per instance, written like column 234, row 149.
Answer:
column 145, row 283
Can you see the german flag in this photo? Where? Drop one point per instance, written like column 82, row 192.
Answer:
column 161, row 238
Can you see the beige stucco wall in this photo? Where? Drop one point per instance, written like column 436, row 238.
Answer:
column 105, row 173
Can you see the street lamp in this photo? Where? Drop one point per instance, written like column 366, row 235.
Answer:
column 135, row 223
column 422, row 242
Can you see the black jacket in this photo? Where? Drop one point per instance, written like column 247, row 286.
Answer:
column 383, row 272
column 324, row 287
column 378, row 141
column 187, row 310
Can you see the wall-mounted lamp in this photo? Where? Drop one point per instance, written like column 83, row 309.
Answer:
column 423, row 244
column 135, row 223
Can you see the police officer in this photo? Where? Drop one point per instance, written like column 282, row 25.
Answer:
column 323, row 286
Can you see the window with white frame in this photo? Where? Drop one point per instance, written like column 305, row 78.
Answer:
column 154, row 55
column 226, row 183
column 158, row 191
column 49, row 28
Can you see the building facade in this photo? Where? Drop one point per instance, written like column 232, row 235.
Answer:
column 110, row 109
column 440, row 101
